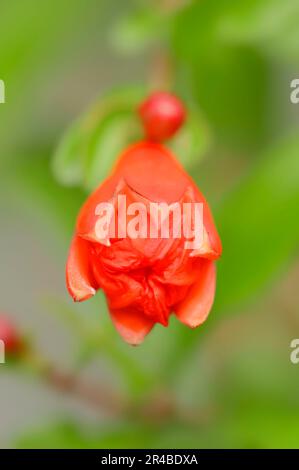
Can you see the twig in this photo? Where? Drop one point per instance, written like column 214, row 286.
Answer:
column 71, row 383
column 99, row 396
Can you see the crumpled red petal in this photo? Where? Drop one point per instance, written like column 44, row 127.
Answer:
column 132, row 325
column 196, row 306
column 139, row 164
column 79, row 278
column 87, row 216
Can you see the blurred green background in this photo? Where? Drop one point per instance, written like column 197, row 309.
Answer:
column 74, row 71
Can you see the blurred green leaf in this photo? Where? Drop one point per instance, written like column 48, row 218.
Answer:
column 64, row 435
column 258, row 225
column 231, row 85
column 32, row 186
column 138, row 30
column 271, row 25
column 30, row 50
column 68, row 161
column 229, row 50
column 229, row 80
column 242, row 428
column 91, row 145
column 192, row 141
column 113, row 134
column 69, row 435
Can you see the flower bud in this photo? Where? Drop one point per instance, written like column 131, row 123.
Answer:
column 162, row 115
column 10, row 337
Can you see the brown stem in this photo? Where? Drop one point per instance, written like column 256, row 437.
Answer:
column 161, row 70
column 162, row 67
column 169, row 6
column 161, row 406
column 99, row 396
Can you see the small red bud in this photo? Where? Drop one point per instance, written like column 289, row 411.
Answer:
column 162, row 115
column 9, row 335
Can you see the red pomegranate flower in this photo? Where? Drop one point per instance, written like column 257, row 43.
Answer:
column 10, row 336
column 145, row 278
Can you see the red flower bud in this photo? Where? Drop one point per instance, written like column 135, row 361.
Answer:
column 162, row 115
column 147, row 276
column 9, row 335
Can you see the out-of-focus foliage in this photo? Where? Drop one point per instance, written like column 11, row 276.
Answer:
column 92, row 144
column 34, row 38
column 133, row 33
column 230, row 60
column 265, row 234
column 90, row 147
column 230, row 48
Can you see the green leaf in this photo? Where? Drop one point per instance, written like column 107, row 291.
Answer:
column 68, row 160
column 271, row 25
column 230, row 80
column 32, row 52
column 90, row 146
column 258, row 225
column 192, row 141
column 134, row 32
column 231, row 85
column 111, row 137
column 229, row 49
